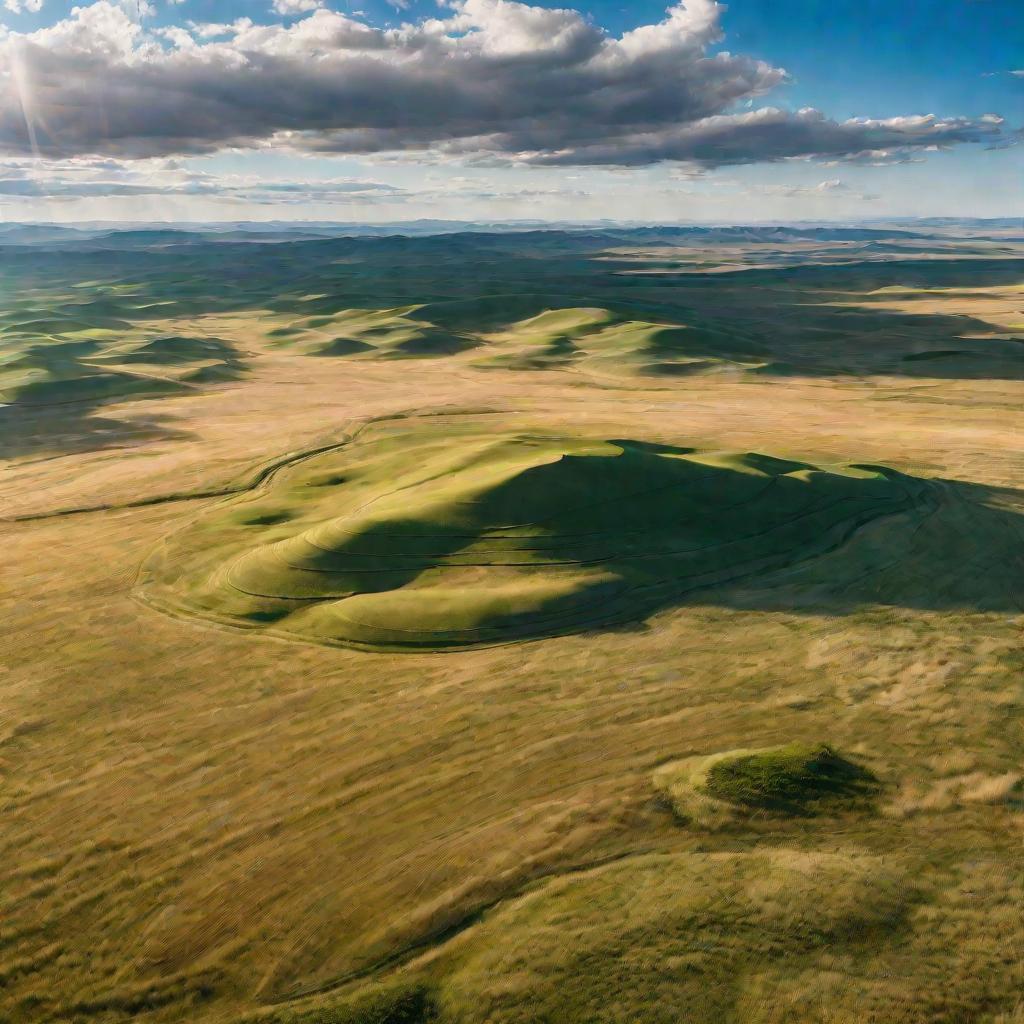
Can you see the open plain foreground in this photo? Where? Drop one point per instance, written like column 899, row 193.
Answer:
column 569, row 627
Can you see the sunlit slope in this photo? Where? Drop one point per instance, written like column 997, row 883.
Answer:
column 699, row 938
column 423, row 539
column 592, row 339
column 550, row 339
column 65, row 359
column 371, row 333
column 599, row 341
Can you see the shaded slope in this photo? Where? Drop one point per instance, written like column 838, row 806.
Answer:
column 64, row 360
column 57, row 372
column 433, row 541
column 398, row 333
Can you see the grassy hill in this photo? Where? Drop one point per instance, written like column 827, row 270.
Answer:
column 438, row 537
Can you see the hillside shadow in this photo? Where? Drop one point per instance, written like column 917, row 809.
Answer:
column 866, row 342
column 79, row 427
column 60, row 389
column 965, row 553
column 789, row 319
column 824, row 321
column 561, row 536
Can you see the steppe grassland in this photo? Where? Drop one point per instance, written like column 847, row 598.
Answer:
column 202, row 821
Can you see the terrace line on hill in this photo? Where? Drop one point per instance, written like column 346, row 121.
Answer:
column 424, row 538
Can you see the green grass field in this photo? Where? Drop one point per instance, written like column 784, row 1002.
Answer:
column 543, row 628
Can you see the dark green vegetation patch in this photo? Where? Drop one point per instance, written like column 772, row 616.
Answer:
column 790, row 778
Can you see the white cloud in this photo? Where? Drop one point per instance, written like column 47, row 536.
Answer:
column 211, row 30
column 492, row 81
column 88, row 178
column 23, row 6
column 824, row 189
column 288, row 7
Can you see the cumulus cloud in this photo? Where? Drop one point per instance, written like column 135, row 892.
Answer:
column 491, row 81
column 771, row 134
column 23, row 6
column 210, row 30
column 295, row 6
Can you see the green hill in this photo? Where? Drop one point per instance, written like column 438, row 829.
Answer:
column 433, row 541
column 86, row 364
column 605, row 343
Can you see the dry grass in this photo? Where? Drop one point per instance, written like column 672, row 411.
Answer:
column 200, row 822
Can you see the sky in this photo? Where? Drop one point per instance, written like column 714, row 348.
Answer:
column 395, row 110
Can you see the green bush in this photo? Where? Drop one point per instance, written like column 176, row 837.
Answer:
column 788, row 778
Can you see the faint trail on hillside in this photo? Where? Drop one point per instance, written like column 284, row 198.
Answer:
column 262, row 475
column 439, row 937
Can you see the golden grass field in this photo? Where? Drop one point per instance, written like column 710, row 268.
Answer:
column 208, row 820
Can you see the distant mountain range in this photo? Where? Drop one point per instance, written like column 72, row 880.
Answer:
column 113, row 235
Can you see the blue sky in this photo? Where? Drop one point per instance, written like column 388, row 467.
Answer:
column 483, row 109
